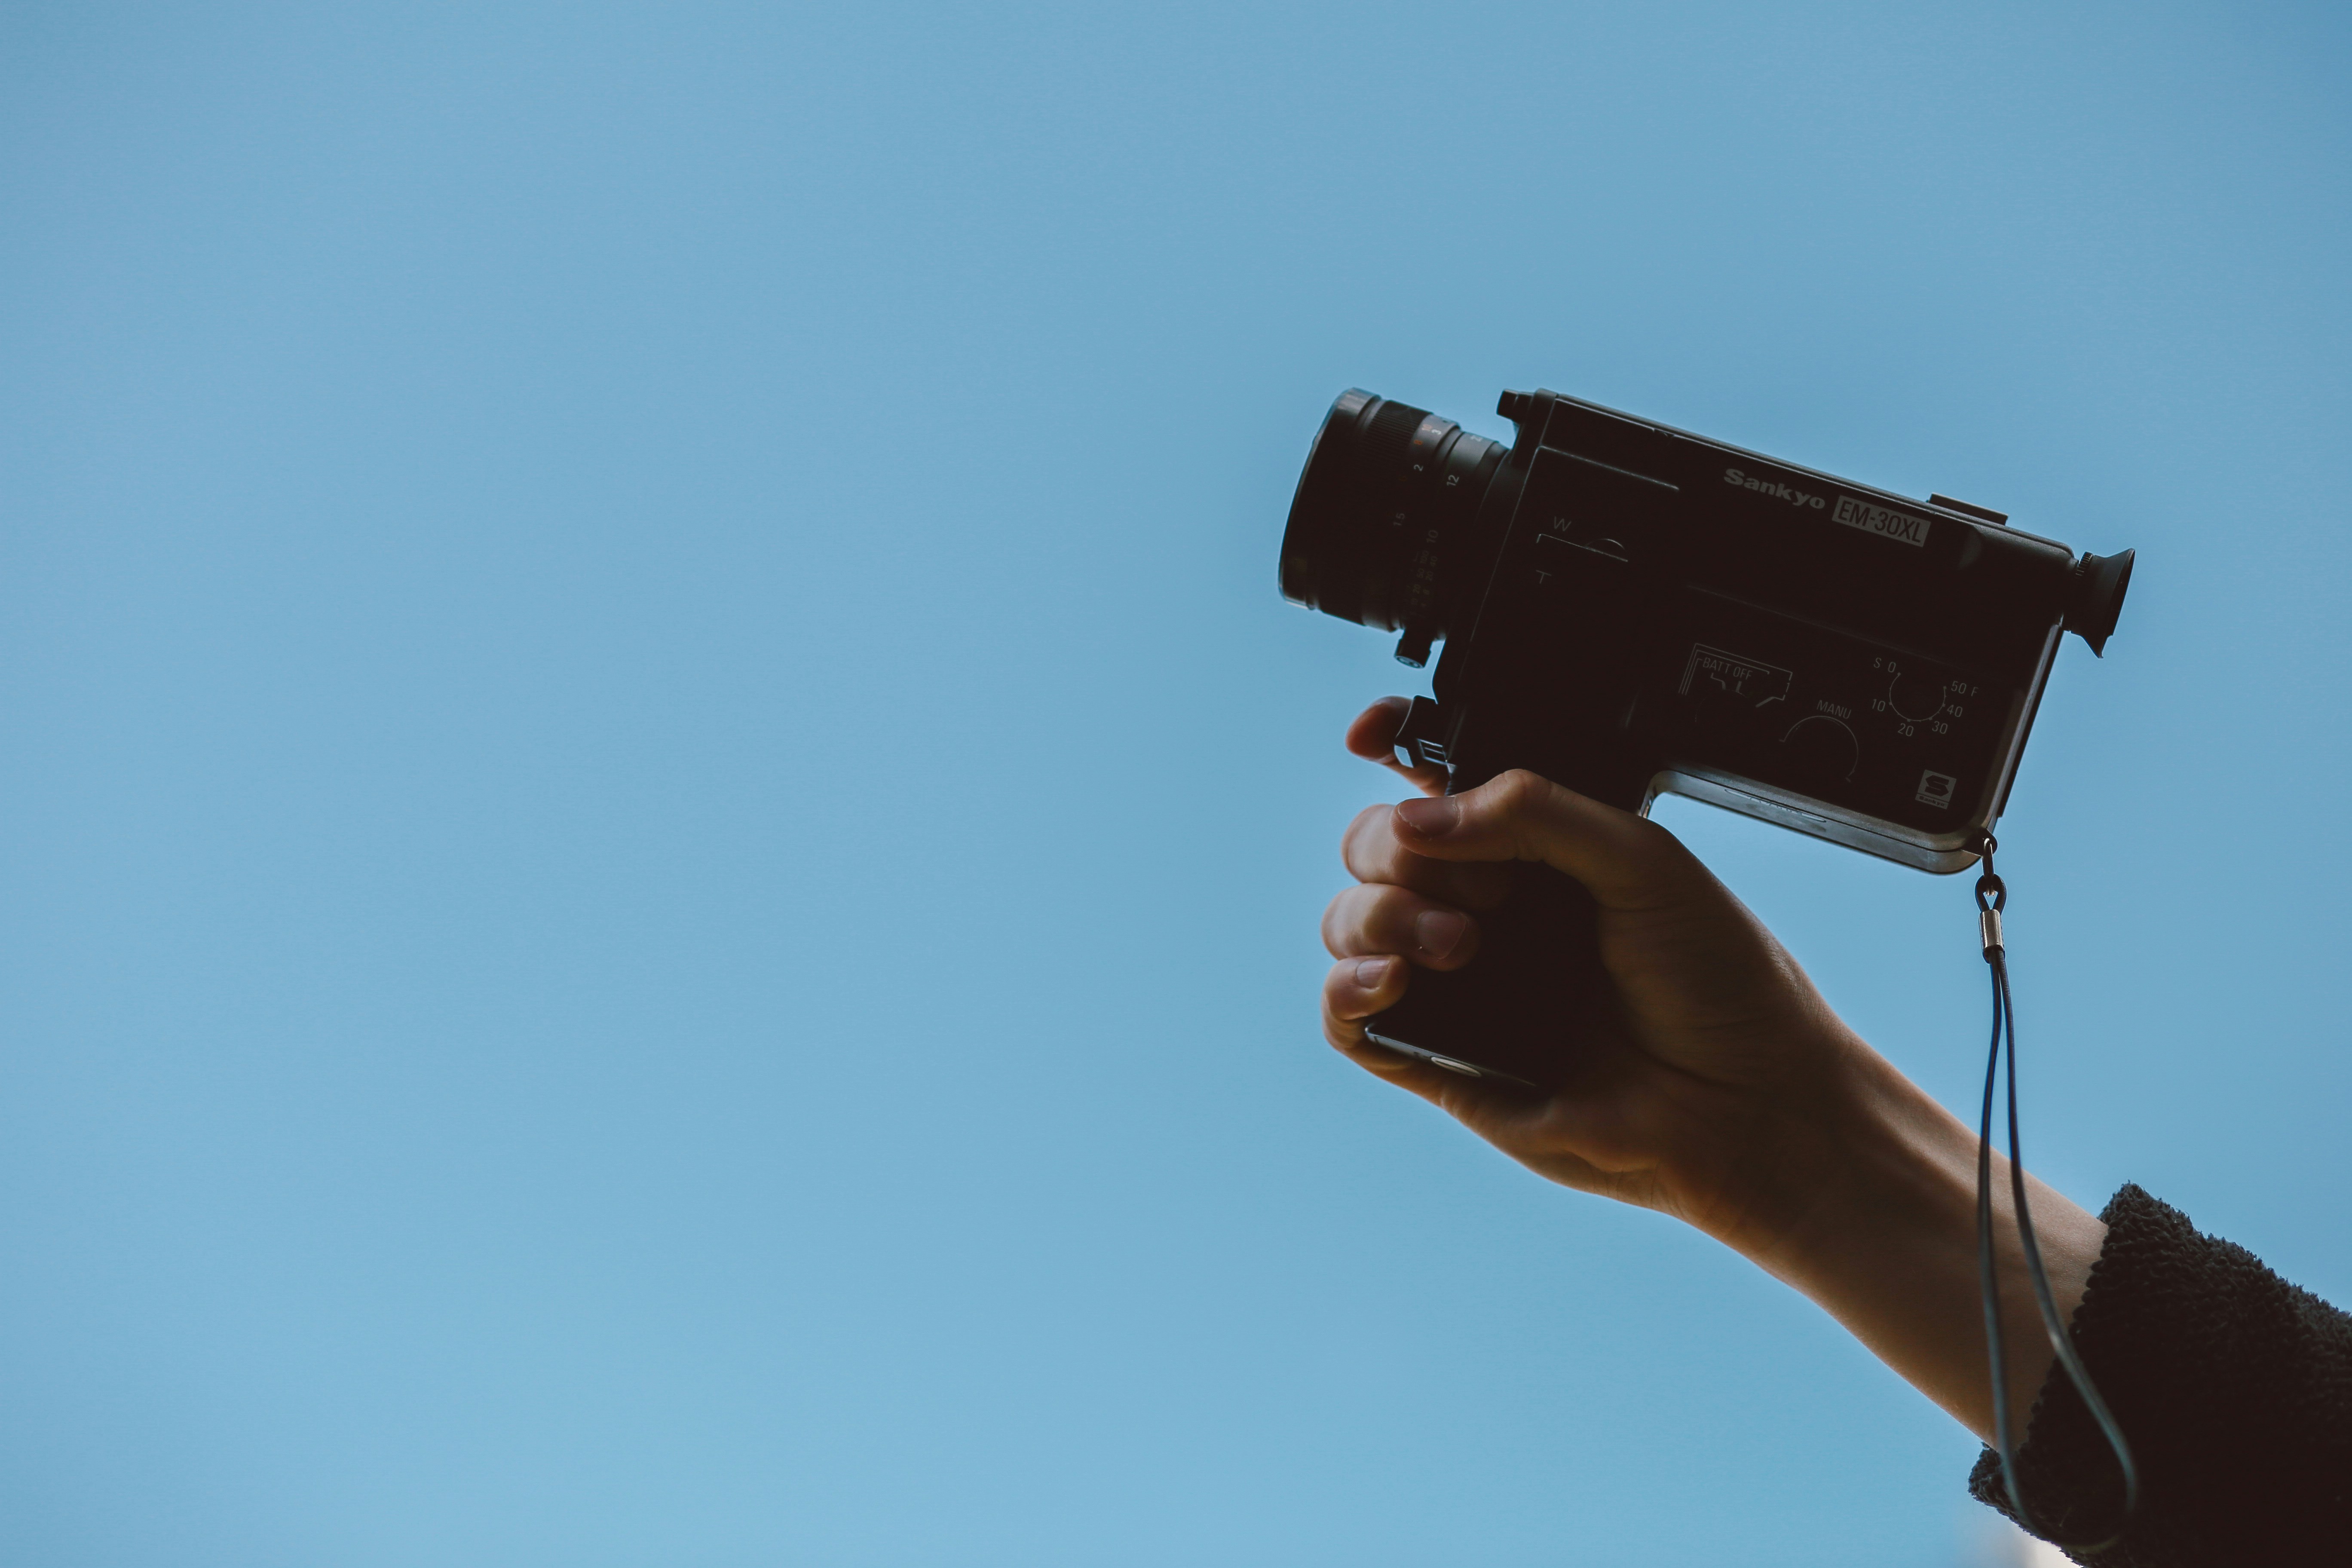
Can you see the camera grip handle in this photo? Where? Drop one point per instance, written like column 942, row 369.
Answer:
column 1518, row 1011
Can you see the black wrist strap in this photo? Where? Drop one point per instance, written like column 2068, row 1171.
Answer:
column 1992, row 897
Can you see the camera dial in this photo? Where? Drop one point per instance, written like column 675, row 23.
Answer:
column 1915, row 697
column 1821, row 750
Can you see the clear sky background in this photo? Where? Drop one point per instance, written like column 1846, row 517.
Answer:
column 662, row 832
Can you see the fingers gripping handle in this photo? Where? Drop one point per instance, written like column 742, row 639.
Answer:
column 1516, row 1011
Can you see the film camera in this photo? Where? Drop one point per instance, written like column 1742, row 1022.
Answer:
column 1632, row 611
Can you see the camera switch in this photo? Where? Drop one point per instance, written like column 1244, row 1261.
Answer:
column 1821, row 750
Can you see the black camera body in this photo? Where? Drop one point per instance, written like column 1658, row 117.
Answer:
column 1632, row 610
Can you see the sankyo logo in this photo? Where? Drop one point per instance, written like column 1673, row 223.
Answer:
column 1767, row 487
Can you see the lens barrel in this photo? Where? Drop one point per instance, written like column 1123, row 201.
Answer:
column 1380, row 529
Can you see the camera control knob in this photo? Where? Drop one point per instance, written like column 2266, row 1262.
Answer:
column 1915, row 697
column 1820, row 750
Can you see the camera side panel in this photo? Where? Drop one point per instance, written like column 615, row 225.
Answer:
column 1835, row 660
column 1866, row 742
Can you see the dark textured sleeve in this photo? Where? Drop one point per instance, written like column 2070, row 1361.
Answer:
column 2234, row 1387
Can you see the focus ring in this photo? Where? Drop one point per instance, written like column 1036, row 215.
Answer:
column 1398, row 501
column 1387, row 444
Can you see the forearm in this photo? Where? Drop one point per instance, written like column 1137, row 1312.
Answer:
column 1882, row 1235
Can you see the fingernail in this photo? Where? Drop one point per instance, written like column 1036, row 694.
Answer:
column 1371, row 971
column 1439, row 931
column 1431, row 819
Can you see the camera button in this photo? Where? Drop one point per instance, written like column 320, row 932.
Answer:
column 1821, row 750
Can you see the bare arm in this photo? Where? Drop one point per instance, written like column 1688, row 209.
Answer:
column 1731, row 1097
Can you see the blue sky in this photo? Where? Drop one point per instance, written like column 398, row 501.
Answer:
column 663, row 832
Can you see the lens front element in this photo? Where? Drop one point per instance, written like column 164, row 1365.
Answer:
column 1379, row 529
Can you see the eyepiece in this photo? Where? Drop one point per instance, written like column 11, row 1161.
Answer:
column 1380, row 528
column 2097, row 598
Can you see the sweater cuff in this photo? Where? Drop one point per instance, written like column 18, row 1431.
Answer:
column 2230, row 1383
column 2069, row 1474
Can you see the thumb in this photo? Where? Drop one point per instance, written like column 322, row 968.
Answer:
column 1625, row 862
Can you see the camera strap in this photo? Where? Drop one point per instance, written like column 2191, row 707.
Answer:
column 1992, row 897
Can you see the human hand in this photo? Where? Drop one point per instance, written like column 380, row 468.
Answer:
column 1723, row 1091
column 1723, row 1066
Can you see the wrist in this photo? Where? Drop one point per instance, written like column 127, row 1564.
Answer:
column 1877, row 1224
column 1782, row 1173
column 1883, row 1165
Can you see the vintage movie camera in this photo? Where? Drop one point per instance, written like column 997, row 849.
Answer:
column 1632, row 610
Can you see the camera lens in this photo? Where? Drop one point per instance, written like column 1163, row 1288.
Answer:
column 1380, row 529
